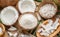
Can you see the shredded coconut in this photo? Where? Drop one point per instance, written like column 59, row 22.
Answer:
column 47, row 11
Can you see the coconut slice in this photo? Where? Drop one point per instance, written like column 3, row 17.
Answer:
column 28, row 21
column 9, row 15
column 26, row 6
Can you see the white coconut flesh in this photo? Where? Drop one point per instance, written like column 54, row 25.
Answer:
column 47, row 11
column 49, row 28
column 26, row 6
column 28, row 21
column 9, row 15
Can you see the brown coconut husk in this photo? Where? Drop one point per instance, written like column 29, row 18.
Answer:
column 52, row 34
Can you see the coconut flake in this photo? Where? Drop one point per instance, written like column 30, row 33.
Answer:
column 26, row 6
column 11, row 34
column 28, row 21
column 47, row 11
column 9, row 15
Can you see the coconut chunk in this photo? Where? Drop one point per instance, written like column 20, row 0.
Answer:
column 11, row 34
column 9, row 15
column 25, row 35
column 12, row 28
column 47, row 11
column 26, row 6
column 28, row 21
column 38, row 16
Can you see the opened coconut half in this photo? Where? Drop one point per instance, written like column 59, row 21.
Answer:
column 26, row 6
column 27, row 21
column 9, row 15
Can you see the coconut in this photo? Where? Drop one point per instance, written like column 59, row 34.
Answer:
column 9, row 15
column 27, row 21
column 4, row 3
column 26, row 6
column 47, row 9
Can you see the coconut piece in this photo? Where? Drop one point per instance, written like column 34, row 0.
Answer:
column 25, row 35
column 26, row 6
column 12, row 31
column 38, row 16
column 47, row 11
column 11, row 34
column 28, row 21
column 12, row 28
column 9, row 15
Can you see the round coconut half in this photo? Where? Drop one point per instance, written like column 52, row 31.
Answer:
column 9, row 15
column 26, row 6
column 27, row 21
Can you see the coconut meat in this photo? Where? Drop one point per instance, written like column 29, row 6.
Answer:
column 12, row 28
column 49, row 28
column 25, row 35
column 26, row 6
column 47, row 11
column 28, row 21
column 9, row 15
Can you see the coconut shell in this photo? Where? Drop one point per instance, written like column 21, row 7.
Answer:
column 4, row 3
